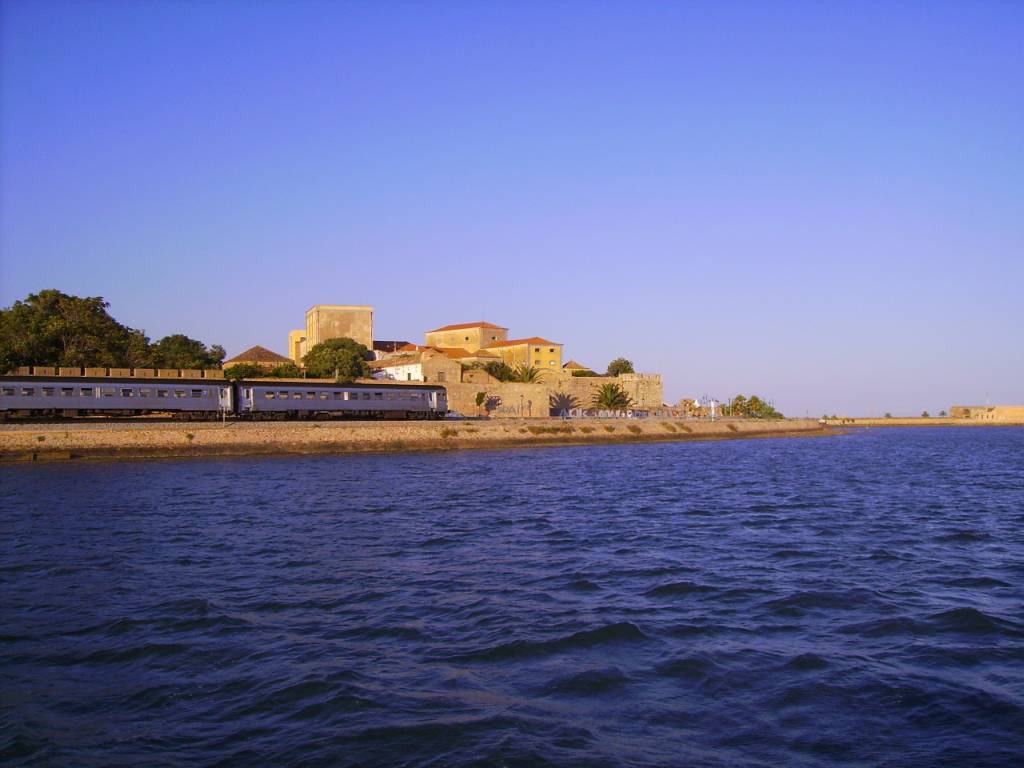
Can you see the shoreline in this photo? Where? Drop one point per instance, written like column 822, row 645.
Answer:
column 139, row 440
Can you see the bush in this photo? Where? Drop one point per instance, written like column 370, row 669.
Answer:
column 634, row 429
column 341, row 359
column 620, row 365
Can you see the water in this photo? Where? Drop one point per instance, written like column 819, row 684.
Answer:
column 843, row 601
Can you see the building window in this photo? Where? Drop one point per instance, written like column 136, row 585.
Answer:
column 552, row 350
column 441, row 375
column 537, row 350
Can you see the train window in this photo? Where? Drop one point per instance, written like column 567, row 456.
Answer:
column 325, row 395
column 270, row 395
column 180, row 393
column 197, row 393
column 27, row 391
column 391, row 395
column 88, row 392
column 145, row 392
column 127, row 392
column 378, row 395
column 366, row 395
column 161, row 393
column 7, row 391
column 311, row 395
column 108, row 391
column 47, row 391
column 223, row 392
column 282, row 395
column 337, row 395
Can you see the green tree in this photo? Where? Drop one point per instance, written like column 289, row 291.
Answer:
column 56, row 329
column 286, row 371
column 179, row 351
column 942, row 414
column 499, row 370
column 341, row 359
column 611, row 396
column 584, row 373
column 243, row 371
column 562, row 401
column 526, row 374
column 888, row 415
column 620, row 365
column 925, row 415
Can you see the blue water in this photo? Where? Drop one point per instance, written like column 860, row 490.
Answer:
column 856, row 600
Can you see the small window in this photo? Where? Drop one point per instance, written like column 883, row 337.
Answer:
column 270, row 395
column 197, row 393
column 180, row 393
column 223, row 392
column 145, row 392
column 442, row 375
column 7, row 391
column 536, row 349
column 366, row 395
column 28, row 392
column 48, row 391
column 108, row 391
column 392, row 396
column 282, row 395
column 467, row 338
column 325, row 395
column 67, row 391
column 311, row 395
column 337, row 395
column 378, row 395
column 161, row 393
column 88, row 392
column 127, row 392
column 552, row 350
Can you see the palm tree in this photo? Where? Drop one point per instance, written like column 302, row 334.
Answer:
column 562, row 401
column 527, row 374
column 611, row 396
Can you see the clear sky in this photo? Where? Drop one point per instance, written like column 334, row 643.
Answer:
column 822, row 203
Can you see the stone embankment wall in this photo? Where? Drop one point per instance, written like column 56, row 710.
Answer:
column 141, row 439
column 937, row 421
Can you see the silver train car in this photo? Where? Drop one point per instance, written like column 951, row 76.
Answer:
column 268, row 399
column 37, row 397
column 65, row 396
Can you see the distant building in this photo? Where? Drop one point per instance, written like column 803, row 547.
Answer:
column 572, row 365
column 1003, row 413
column 468, row 336
column 332, row 321
column 258, row 355
column 427, row 364
column 533, row 352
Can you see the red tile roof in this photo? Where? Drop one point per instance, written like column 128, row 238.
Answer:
column 460, row 326
column 258, row 354
column 520, row 342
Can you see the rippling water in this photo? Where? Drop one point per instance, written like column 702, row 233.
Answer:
column 855, row 600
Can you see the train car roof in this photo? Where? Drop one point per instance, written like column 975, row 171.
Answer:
column 335, row 384
column 97, row 380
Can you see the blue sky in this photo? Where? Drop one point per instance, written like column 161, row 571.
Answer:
column 822, row 203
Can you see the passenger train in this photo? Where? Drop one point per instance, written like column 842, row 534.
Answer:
column 34, row 396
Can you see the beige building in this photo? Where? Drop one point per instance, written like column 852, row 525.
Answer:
column 533, row 352
column 332, row 321
column 467, row 336
column 260, row 356
column 1012, row 414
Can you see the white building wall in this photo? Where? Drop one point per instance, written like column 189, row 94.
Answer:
column 409, row 372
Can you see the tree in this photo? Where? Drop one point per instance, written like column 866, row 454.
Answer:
column 925, row 415
column 526, row 374
column 243, row 371
column 753, row 407
column 51, row 328
column 562, row 401
column 179, row 351
column 888, row 415
column 500, row 370
column 619, row 366
column 286, row 371
column 611, row 396
column 942, row 414
column 341, row 359
column 587, row 372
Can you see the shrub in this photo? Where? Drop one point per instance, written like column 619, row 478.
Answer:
column 609, row 428
column 732, row 427
column 685, row 428
column 189, row 436
column 634, row 429
column 668, row 426
column 446, row 433
column 620, row 365
column 586, row 430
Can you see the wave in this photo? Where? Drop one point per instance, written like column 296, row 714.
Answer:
column 678, row 588
column 620, row 632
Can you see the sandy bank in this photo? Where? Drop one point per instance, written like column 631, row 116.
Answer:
column 41, row 442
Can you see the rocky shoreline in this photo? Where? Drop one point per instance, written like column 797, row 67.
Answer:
column 136, row 440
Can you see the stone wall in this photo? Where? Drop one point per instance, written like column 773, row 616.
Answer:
column 998, row 413
column 325, row 322
column 644, row 389
column 503, row 399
